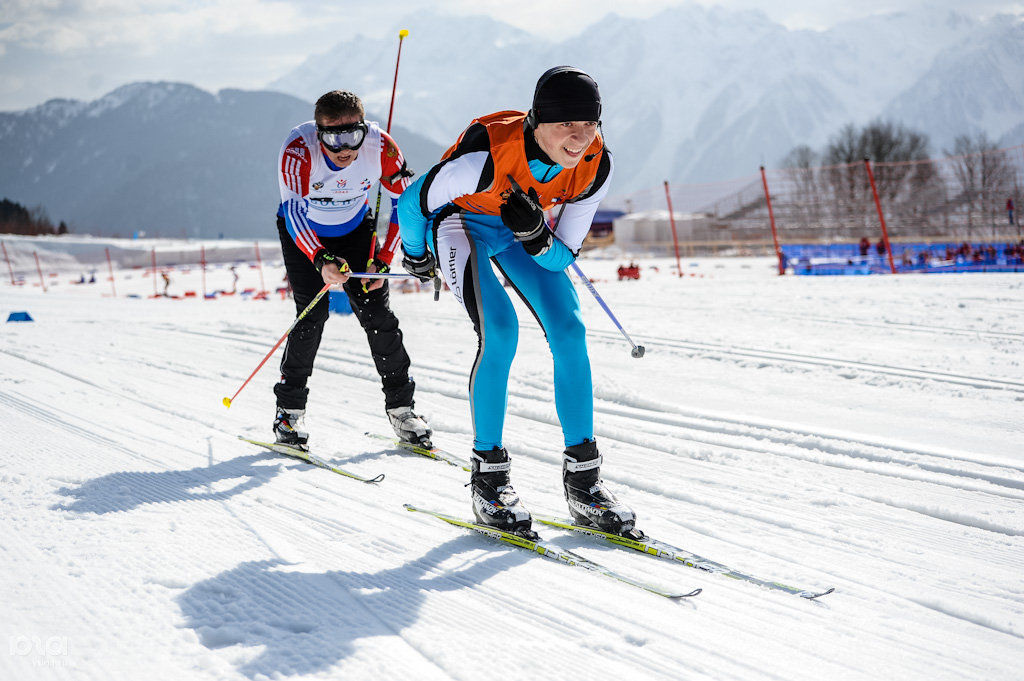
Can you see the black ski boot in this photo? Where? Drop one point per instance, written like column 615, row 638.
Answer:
column 285, row 428
column 495, row 503
column 590, row 502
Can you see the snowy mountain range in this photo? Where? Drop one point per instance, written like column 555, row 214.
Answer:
column 165, row 158
column 697, row 94
column 691, row 94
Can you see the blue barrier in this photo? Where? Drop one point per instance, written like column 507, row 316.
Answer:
column 845, row 259
column 20, row 317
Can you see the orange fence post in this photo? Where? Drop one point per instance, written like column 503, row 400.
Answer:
column 672, row 221
column 40, row 270
column 771, row 219
column 202, row 263
column 110, row 267
column 9, row 268
column 259, row 261
column 881, row 217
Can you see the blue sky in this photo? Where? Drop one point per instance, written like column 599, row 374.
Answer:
column 84, row 48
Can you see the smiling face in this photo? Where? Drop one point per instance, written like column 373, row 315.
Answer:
column 345, row 157
column 565, row 142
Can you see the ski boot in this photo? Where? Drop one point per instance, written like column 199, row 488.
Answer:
column 590, row 502
column 495, row 503
column 410, row 427
column 285, row 428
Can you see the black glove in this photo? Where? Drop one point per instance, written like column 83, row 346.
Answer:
column 522, row 214
column 324, row 257
column 419, row 266
column 381, row 266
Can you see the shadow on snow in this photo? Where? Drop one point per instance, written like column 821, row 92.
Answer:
column 124, row 491
column 301, row 622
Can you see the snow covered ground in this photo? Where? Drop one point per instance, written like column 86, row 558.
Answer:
column 865, row 433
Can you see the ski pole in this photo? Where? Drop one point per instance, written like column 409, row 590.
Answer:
column 391, row 109
column 638, row 350
column 381, row 275
column 227, row 400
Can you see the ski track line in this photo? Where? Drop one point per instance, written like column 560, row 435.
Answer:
column 730, row 350
column 51, row 418
column 949, row 517
column 760, row 431
column 119, row 395
column 874, row 464
column 796, row 437
column 883, row 459
column 911, row 326
column 754, row 443
column 615, row 405
column 983, row 382
column 759, row 448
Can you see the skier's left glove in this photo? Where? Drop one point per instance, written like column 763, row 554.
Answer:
column 522, row 214
column 420, row 266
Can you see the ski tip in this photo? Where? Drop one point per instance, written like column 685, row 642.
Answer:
column 695, row 592
column 226, row 402
column 376, row 479
column 811, row 595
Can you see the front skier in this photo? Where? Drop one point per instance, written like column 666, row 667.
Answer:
column 325, row 170
column 485, row 201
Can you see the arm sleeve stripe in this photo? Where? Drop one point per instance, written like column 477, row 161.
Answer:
column 300, row 231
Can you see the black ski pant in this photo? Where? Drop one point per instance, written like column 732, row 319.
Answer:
column 371, row 309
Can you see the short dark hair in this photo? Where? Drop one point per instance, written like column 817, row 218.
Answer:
column 338, row 104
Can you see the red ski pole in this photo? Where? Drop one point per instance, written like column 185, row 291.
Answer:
column 391, row 110
column 227, row 400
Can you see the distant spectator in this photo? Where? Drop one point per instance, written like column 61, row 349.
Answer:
column 167, row 282
column 865, row 246
column 907, row 259
column 1009, row 210
column 924, row 258
column 632, row 271
column 234, row 282
column 880, row 247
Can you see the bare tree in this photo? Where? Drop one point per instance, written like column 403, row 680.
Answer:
column 985, row 176
column 804, row 205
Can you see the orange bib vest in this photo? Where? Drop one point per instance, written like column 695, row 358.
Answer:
column 508, row 151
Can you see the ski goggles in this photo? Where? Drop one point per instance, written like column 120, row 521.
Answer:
column 338, row 137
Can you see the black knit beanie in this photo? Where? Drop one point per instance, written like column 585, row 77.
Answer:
column 565, row 93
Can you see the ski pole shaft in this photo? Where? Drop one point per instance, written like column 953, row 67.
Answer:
column 381, row 275
column 391, row 109
column 228, row 400
column 638, row 350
